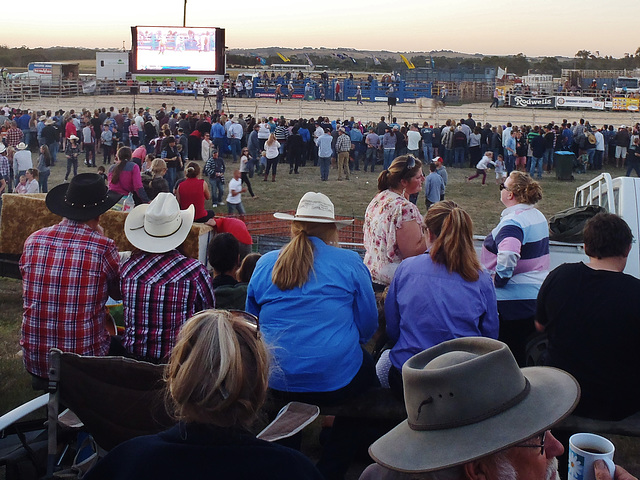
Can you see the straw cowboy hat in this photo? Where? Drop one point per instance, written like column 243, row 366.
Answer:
column 21, row 146
column 466, row 399
column 86, row 197
column 315, row 208
column 159, row 226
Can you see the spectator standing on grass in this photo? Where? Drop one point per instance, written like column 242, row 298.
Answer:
column 433, row 186
column 106, row 138
column 234, row 198
column 22, row 160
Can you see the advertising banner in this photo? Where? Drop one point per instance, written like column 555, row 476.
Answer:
column 625, row 104
column 579, row 102
column 531, row 102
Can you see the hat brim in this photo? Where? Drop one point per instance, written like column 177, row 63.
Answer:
column 56, row 204
column 139, row 238
column 288, row 216
column 553, row 396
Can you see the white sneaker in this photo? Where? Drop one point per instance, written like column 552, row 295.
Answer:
column 221, row 203
column 215, row 205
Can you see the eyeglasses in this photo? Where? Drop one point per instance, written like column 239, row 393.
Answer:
column 503, row 187
column 249, row 318
column 540, row 445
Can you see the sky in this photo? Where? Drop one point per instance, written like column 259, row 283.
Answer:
column 478, row 26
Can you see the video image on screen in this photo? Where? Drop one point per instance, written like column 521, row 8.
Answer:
column 190, row 49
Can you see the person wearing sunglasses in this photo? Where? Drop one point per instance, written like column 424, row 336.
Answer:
column 392, row 224
column 474, row 415
column 216, row 383
column 516, row 253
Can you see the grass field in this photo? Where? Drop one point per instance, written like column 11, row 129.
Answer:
column 350, row 198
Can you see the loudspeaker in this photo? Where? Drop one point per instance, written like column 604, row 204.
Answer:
column 133, row 90
column 391, row 101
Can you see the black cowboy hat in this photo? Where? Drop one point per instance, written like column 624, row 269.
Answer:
column 86, row 197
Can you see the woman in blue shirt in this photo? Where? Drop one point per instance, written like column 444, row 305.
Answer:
column 440, row 295
column 316, row 306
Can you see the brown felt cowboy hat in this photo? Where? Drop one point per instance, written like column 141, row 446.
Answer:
column 466, row 399
column 85, row 198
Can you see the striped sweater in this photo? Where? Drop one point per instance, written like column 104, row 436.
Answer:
column 517, row 252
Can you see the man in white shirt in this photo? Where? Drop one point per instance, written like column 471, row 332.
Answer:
column 234, row 198
column 413, row 140
column 599, row 154
column 21, row 161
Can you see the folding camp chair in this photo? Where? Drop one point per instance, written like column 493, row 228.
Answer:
column 116, row 398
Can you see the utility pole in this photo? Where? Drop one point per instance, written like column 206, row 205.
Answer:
column 184, row 17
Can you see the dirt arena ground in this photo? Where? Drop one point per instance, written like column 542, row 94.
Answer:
column 338, row 110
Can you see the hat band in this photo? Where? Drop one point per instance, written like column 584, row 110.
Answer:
column 179, row 225
column 302, row 217
column 468, row 421
column 84, row 205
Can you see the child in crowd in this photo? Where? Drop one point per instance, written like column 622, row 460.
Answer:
column 234, row 199
column 501, row 170
column 21, row 187
column 482, row 166
column 102, row 173
column 157, row 183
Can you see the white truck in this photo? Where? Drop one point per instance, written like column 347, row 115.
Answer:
column 620, row 196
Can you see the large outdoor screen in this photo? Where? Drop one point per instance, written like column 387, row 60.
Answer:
column 170, row 50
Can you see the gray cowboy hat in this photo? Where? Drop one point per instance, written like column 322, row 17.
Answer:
column 466, row 399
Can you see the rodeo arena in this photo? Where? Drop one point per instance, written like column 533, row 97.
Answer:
column 182, row 317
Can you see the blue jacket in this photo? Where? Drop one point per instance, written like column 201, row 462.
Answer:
column 316, row 330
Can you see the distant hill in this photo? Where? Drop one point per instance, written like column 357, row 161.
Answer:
column 380, row 54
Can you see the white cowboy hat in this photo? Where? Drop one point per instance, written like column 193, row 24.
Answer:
column 21, row 146
column 315, row 208
column 466, row 399
column 2, row 148
column 159, row 226
column 73, row 137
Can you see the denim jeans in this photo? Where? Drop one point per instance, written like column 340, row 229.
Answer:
column 548, row 158
column 43, row 179
column 170, row 177
column 388, row 157
column 325, row 164
column 53, row 149
column 427, row 150
column 536, row 164
column 459, row 157
column 238, row 207
column 591, row 153
column 510, row 164
column 217, row 189
column 71, row 163
column 448, row 156
column 234, row 143
column 370, row 158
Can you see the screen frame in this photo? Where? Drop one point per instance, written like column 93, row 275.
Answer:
column 219, row 54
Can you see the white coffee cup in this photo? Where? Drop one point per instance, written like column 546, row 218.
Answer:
column 584, row 450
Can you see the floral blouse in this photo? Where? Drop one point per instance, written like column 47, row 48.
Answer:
column 387, row 212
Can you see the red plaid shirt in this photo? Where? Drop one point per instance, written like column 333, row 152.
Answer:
column 67, row 270
column 14, row 136
column 159, row 293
